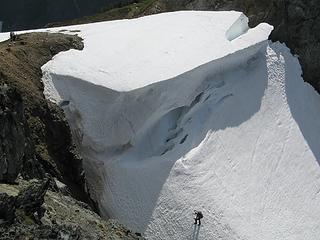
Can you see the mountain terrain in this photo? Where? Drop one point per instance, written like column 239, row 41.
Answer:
column 156, row 122
column 296, row 22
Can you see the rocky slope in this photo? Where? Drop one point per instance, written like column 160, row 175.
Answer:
column 14, row 134
column 35, row 136
column 35, row 210
column 36, row 143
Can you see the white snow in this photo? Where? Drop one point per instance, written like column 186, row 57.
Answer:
column 193, row 110
column 130, row 54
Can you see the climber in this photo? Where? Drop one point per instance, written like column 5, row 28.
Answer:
column 13, row 37
column 199, row 215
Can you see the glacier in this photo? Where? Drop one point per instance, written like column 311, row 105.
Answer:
column 187, row 111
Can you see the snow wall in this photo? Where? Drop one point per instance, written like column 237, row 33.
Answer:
column 236, row 137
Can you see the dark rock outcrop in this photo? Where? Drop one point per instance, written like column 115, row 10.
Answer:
column 17, row 153
column 13, row 134
column 30, row 200
column 7, row 208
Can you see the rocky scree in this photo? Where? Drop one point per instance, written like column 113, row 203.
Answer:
column 32, row 210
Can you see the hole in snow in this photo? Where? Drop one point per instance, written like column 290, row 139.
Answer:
column 174, row 134
column 64, row 103
column 167, row 149
column 196, row 99
column 184, row 139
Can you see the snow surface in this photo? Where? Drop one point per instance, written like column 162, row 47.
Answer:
column 193, row 110
column 130, row 54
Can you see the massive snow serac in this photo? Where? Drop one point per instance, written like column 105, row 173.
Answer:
column 193, row 111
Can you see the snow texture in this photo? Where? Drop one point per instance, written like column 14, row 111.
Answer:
column 193, row 111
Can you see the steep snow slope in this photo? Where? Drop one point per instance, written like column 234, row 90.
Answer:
column 193, row 110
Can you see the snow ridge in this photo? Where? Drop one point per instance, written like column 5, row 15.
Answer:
column 224, row 131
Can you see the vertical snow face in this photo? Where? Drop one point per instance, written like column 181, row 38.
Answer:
column 225, row 125
column 238, row 28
